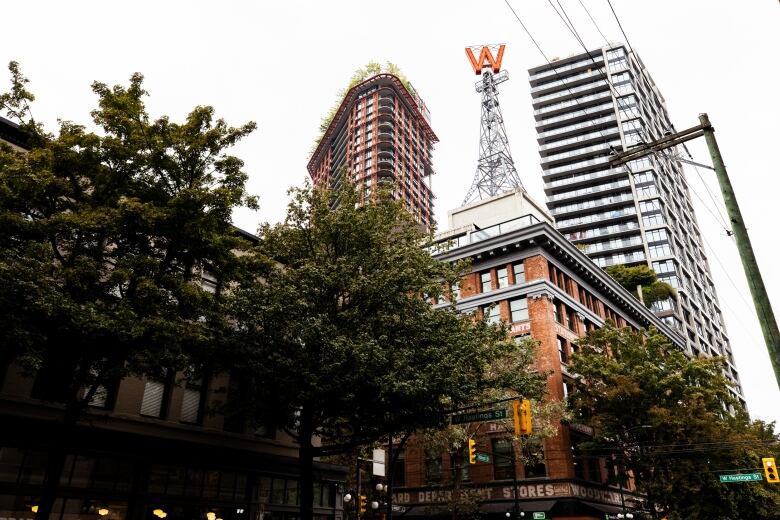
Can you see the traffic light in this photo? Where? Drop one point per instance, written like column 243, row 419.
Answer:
column 362, row 506
column 770, row 470
column 472, row 451
column 522, row 416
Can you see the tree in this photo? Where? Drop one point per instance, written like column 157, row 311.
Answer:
column 337, row 337
column 104, row 240
column 664, row 418
column 641, row 276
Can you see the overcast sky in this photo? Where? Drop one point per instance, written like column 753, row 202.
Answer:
column 281, row 64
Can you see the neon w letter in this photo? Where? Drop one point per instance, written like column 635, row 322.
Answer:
column 485, row 59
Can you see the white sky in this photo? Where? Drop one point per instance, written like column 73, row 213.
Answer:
column 281, row 64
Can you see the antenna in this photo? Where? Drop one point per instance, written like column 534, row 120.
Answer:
column 495, row 169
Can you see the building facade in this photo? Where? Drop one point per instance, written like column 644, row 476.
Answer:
column 380, row 133
column 525, row 273
column 587, row 107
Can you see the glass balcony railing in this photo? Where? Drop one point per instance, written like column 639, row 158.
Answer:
column 483, row 234
column 585, row 177
column 578, row 126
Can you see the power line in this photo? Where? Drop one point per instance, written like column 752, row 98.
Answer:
column 554, row 68
column 630, row 47
column 594, row 22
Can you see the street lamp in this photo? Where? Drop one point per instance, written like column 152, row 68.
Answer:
column 347, row 498
column 627, row 515
column 521, row 514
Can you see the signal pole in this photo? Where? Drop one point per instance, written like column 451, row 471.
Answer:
column 766, row 316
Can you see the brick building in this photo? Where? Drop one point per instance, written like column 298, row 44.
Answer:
column 527, row 274
column 380, row 133
column 149, row 449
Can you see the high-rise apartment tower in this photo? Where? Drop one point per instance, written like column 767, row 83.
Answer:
column 594, row 104
column 380, row 133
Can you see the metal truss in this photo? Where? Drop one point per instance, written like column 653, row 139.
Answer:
column 495, row 170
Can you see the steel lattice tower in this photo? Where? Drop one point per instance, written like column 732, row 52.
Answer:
column 495, row 170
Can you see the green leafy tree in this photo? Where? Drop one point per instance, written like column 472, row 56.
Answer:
column 337, row 339
column 663, row 417
column 372, row 68
column 634, row 277
column 104, row 239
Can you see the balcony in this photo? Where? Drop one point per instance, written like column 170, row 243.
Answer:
column 387, row 101
column 588, row 75
column 575, row 128
column 386, row 109
column 592, row 204
column 582, row 64
column 386, row 126
column 563, row 105
column 601, row 188
column 386, row 136
column 616, row 229
column 587, row 113
column 577, row 152
column 585, row 178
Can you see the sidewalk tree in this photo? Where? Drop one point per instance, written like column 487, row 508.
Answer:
column 338, row 339
column 104, row 237
column 665, row 418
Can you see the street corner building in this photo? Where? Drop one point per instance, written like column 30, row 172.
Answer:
column 526, row 274
column 380, row 134
column 149, row 449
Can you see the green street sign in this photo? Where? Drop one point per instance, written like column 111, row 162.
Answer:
column 740, row 477
column 485, row 415
column 540, row 516
column 483, row 457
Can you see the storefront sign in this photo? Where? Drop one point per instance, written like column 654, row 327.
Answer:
column 524, row 491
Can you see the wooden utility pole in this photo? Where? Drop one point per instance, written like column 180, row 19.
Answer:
column 766, row 316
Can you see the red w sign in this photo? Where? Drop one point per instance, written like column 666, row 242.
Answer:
column 485, row 59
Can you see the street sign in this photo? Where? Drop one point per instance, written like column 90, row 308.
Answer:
column 483, row 457
column 740, row 477
column 540, row 516
column 485, row 415
column 399, row 509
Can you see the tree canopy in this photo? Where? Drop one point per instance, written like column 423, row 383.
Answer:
column 633, row 277
column 665, row 418
column 105, row 238
column 338, row 336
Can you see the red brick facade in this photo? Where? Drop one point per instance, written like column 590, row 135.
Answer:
column 566, row 296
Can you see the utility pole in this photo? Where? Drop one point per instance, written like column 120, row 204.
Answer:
column 766, row 316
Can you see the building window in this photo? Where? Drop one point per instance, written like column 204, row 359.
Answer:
column 557, row 313
column 503, row 277
column 493, row 313
column 519, row 309
column 519, row 271
column 502, row 459
column 533, row 457
column 153, row 403
column 432, row 468
column 563, row 352
column 399, row 469
column 485, row 281
column 192, row 400
column 455, row 291
column 572, row 317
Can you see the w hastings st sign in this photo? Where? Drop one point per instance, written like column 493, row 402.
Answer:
column 524, row 491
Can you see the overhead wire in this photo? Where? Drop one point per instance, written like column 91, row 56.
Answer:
column 630, row 47
column 553, row 67
column 594, row 22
